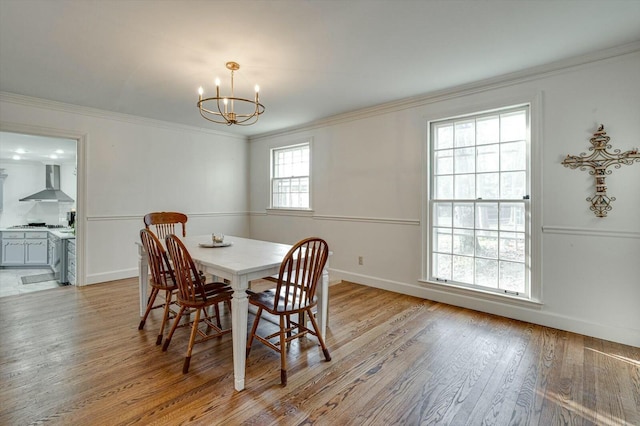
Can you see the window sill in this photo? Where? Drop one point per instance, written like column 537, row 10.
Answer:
column 290, row 212
column 484, row 295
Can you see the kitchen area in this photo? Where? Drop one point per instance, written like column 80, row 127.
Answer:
column 37, row 213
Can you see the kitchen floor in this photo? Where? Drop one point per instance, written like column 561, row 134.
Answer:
column 11, row 282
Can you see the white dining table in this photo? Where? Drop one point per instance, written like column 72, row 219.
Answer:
column 242, row 261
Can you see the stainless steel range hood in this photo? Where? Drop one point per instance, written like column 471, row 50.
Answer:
column 52, row 185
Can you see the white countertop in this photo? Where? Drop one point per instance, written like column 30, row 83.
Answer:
column 62, row 233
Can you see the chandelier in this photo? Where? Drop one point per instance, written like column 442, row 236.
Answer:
column 230, row 109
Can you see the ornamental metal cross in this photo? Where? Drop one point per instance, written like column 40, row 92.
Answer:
column 599, row 161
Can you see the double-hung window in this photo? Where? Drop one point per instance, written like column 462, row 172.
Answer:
column 290, row 177
column 479, row 214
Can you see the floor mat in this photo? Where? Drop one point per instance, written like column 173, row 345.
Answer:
column 32, row 279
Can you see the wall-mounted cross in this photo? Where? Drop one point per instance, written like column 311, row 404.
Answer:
column 598, row 162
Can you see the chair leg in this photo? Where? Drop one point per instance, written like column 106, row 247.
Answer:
column 283, row 352
column 176, row 321
column 152, row 299
column 192, row 338
column 217, row 309
column 167, row 303
column 325, row 351
column 253, row 330
column 289, row 331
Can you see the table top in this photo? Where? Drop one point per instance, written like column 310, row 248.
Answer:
column 243, row 256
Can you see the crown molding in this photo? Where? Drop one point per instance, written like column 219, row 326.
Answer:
column 30, row 101
column 504, row 80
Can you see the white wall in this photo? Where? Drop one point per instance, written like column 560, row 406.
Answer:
column 367, row 186
column 134, row 166
column 24, row 179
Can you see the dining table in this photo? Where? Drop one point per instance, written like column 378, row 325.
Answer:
column 239, row 260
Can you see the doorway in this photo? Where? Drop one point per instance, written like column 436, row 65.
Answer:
column 25, row 152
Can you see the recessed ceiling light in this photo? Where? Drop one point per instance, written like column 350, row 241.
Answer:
column 16, row 157
column 53, row 156
column 20, row 151
column 59, row 151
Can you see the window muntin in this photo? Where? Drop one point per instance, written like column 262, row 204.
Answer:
column 479, row 207
column 290, row 177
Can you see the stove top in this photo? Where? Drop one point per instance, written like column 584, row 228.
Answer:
column 37, row 226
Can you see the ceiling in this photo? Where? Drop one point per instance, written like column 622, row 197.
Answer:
column 312, row 59
column 36, row 149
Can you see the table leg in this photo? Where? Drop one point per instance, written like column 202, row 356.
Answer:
column 239, row 318
column 323, row 302
column 143, row 278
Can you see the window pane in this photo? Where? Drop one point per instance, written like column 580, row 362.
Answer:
column 442, row 214
column 463, row 269
column 488, row 130
column 487, row 244
column 487, row 273
column 487, row 216
column 512, row 246
column 465, row 160
column 443, row 136
column 464, row 133
column 488, row 158
column 512, row 276
column 513, row 156
column 463, row 242
column 443, row 187
column 465, row 186
column 442, row 240
column 488, row 186
column 442, row 266
column 513, row 126
column 443, row 161
column 512, row 217
column 463, row 215
column 513, row 185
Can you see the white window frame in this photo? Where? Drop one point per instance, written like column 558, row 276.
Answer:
column 533, row 296
column 273, row 153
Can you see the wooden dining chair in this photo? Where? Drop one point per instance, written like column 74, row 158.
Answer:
column 195, row 296
column 295, row 291
column 162, row 279
column 164, row 223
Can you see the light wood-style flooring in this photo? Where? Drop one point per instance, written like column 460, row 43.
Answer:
column 74, row 356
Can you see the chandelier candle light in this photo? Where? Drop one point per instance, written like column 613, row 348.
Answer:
column 222, row 109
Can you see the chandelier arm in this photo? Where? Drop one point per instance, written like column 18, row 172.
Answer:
column 222, row 114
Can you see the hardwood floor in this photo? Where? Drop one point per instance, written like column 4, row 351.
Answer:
column 74, row 356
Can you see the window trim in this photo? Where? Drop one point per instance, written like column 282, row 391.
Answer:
column 293, row 210
column 532, row 99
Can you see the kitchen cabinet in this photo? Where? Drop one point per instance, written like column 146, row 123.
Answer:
column 71, row 261
column 55, row 248
column 24, row 248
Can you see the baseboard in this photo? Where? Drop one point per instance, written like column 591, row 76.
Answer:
column 624, row 335
column 111, row 276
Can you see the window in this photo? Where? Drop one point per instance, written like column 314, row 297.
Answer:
column 480, row 234
column 290, row 177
